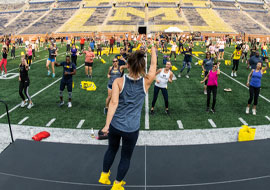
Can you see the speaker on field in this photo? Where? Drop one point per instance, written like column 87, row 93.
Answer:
column 142, row 30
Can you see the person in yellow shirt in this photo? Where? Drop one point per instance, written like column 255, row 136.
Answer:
column 236, row 57
column 264, row 51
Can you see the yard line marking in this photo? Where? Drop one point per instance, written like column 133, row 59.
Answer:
column 37, row 93
column 80, row 124
column 50, row 122
column 243, row 121
column 146, row 118
column 180, row 124
column 268, row 118
column 266, row 99
column 212, row 123
column 23, row 120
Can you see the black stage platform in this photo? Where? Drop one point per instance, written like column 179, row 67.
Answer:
column 28, row 165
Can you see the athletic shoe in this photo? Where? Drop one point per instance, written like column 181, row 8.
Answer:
column 49, row 72
column 205, row 92
column 118, row 186
column 179, row 75
column 152, row 112
column 105, row 111
column 104, row 178
column 213, row 110
column 61, row 103
column 2, row 74
column 30, row 105
column 187, row 76
column 5, row 76
column 253, row 111
column 167, row 112
column 29, row 67
column 23, row 104
column 207, row 109
column 247, row 110
column 69, row 104
column 235, row 74
column 53, row 75
column 232, row 74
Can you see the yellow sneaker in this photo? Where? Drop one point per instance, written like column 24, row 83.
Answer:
column 104, row 178
column 118, row 186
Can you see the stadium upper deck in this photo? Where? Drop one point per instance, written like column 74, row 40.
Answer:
column 74, row 16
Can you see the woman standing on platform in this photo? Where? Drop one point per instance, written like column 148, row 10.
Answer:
column 124, row 114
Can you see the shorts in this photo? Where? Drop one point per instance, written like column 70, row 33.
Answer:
column 109, row 86
column 51, row 60
column 65, row 83
column 221, row 50
column 88, row 64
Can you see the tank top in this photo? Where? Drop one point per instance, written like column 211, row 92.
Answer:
column 256, row 79
column 114, row 75
column 128, row 113
column 163, row 79
column 212, row 79
column 23, row 73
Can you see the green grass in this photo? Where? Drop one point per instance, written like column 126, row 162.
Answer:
column 186, row 99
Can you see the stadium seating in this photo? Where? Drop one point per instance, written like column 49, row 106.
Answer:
column 224, row 4
column 97, row 17
column 40, row 5
column 52, row 22
column 194, row 3
column 193, row 17
column 67, row 4
column 11, row 7
column 4, row 19
column 124, row 16
column 240, row 22
column 262, row 17
column 252, row 5
column 23, row 21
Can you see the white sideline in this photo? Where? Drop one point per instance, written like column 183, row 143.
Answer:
column 50, row 122
column 79, row 126
column 37, row 93
column 23, row 120
column 242, row 121
column 212, row 123
column 180, row 124
column 268, row 118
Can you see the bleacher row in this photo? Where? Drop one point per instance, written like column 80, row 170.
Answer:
column 47, row 16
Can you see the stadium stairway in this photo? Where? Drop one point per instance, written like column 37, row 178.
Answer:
column 23, row 8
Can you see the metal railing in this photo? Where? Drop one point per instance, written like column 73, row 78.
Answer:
column 10, row 130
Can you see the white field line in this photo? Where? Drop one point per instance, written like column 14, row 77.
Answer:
column 79, row 126
column 242, row 121
column 146, row 118
column 34, row 62
column 268, row 118
column 37, row 93
column 212, row 123
column 266, row 99
column 23, row 120
column 180, row 124
column 50, row 122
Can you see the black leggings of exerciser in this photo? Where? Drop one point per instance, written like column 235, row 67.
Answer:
column 211, row 89
column 99, row 51
column 24, row 86
column 165, row 96
column 12, row 53
column 235, row 65
column 253, row 92
column 129, row 141
column 174, row 53
column 74, row 59
column 29, row 60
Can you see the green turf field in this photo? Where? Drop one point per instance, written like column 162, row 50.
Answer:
column 186, row 99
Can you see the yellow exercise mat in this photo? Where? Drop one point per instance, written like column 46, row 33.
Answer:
column 200, row 62
column 246, row 133
column 88, row 85
column 228, row 62
column 103, row 61
column 174, row 68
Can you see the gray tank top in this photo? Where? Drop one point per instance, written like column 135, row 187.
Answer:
column 128, row 113
column 114, row 75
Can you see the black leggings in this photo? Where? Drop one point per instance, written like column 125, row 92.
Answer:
column 253, row 92
column 235, row 64
column 165, row 96
column 99, row 51
column 13, row 53
column 74, row 59
column 111, row 48
column 129, row 141
column 209, row 90
column 29, row 60
column 174, row 53
column 24, row 86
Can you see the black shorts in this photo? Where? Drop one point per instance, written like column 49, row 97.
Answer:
column 65, row 83
column 88, row 64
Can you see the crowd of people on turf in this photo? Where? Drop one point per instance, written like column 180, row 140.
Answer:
column 252, row 53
